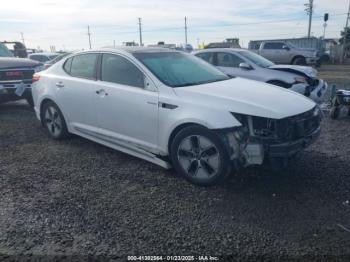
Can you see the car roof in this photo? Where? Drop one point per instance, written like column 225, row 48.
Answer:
column 45, row 54
column 131, row 50
column 220, row 50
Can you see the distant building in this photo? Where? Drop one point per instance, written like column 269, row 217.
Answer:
column 133, row 43
column 228, row 43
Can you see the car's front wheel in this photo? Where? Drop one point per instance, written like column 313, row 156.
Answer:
column 199, row 155
column 53, row 121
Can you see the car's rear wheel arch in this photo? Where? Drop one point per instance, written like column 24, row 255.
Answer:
column 300, row 59
column 45, row 101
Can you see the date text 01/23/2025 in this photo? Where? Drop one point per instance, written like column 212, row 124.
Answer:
column 173, row 258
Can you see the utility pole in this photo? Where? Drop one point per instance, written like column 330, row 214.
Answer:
column 114, row 43
column 309, row 11
column 140, row 31
column 89, row 34
column 22, row 38
column 344, row 41
column 348, row 17
column 186, row 30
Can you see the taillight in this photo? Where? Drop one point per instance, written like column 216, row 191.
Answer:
column 35, row 78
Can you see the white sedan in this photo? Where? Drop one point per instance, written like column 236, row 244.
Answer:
column 173, row 109
column 244, row 63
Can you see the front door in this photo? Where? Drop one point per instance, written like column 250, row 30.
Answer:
column 127, row 110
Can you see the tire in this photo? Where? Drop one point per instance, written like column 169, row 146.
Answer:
column 53, row 121
column 30, row 101
column 199, row 155
column 299, row 60
column 335, row 112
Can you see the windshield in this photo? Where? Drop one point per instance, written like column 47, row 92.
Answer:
column 256, row 59
column 58, row 58
column 51, row 57
column 291, row 45
column 178, row 69
column 4, row 52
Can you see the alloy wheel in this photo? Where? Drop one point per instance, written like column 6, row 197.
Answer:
column 53, row 121
column 198, row 157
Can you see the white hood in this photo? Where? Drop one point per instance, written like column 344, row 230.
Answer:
column 248, row 97
column 307, row 70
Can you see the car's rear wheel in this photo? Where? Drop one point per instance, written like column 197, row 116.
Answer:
column 53, row 121
column 199, row 155
column 299, row 60
column 30, row 101
column 335, row 111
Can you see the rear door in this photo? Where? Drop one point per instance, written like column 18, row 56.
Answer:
column 128, row 110
column 75, row 91
column 207, row 56
column 272, row 51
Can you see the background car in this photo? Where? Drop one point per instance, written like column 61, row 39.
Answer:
column 43, row 57
column 244, row 63
column 16, row 76
column 56, row 59
column 285, row 53
column 171, row 108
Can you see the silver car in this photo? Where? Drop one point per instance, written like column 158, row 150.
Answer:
column 244, row 63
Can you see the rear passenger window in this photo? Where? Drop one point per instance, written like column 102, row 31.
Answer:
column 274, row 45
column 206, row 57
column 84, row 66
column 67, row 65
column 117, row 69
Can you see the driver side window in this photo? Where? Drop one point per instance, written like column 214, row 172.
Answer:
column 117, row 69
column 228, row 60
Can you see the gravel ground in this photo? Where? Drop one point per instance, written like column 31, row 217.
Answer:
column 77, row 198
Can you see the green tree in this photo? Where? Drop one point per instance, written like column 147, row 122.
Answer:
column 345, row 35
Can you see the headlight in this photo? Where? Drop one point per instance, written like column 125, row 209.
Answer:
column 39, row 68
column 300, row 79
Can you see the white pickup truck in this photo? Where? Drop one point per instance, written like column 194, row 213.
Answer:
column 281, row 52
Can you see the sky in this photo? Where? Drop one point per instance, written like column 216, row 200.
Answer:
column 63, row 23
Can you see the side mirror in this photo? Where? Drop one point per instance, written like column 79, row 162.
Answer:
column 245, row 66
column 285, row 47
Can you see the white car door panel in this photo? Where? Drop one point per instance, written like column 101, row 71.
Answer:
column 76, row 97
column 75, row 92
column 131, row 113
column 124, row 106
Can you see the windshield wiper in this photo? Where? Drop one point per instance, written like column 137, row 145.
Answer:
column 201, row 82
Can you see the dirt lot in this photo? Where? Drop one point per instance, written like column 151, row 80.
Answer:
column 78, row 198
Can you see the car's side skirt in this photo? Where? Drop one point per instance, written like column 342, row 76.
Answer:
column 121, row 146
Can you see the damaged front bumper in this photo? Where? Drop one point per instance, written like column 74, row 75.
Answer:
column 315, row 92
column 297, row 133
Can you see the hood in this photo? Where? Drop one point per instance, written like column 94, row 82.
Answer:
column 304, row 70
column 12, row 62
column 247, row 97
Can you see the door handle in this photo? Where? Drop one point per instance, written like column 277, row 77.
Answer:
column 101, row 91
column 59, row 84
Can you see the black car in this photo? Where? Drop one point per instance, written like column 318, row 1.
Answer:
column 16, row 76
